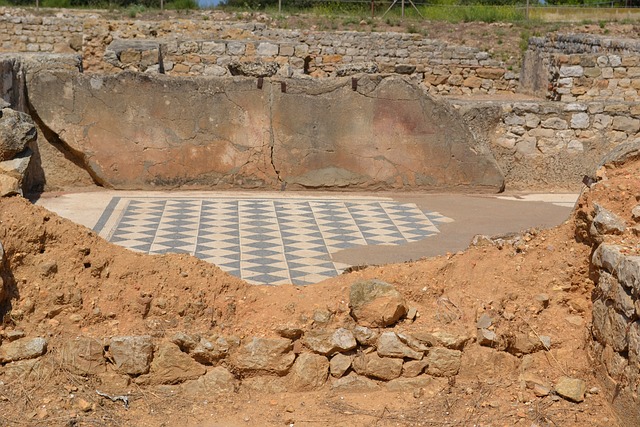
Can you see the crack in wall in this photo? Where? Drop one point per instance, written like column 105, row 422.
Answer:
column 272, row 138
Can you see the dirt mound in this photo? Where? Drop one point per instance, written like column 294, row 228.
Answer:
column 63, row 282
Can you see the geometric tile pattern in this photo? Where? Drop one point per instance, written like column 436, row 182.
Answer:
column 265, row 241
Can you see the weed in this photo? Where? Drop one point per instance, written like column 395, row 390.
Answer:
column 182, row 5
column 56, row 3
column 134, row 10
column 524, row 40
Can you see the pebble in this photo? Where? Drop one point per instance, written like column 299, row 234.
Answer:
column 84, row 405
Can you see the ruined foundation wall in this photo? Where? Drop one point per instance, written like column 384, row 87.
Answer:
column 550, row 144
column 581, row 67
column 197, row 47
column 21, row 31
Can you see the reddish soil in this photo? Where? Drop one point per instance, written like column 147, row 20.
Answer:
column 65, row 281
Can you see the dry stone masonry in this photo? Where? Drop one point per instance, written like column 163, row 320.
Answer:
column 350, row 358
column 579, row 67
column 177, row 48
column 615, row 329
column 565, row 139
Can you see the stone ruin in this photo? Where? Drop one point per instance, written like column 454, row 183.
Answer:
column 251, row 107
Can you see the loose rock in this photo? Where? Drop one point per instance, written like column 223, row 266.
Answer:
column 443, row 362
column 309, row 372
column 23, row 349
column 132, row 354
column 572, row 389
column 375, row 303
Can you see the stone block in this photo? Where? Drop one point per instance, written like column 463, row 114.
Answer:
column 236, row 48
column 579, row 121
column 354, row 383
column 286, row 50
column 472, row 82
column 267, row 49
column 172, row 366
column 602, row 121
column 339, row 365
column 375, row 303
column 490, row 73
column 572, row 389
column 214, row 48
column 266, row 355
column 554, row 123
column 23, row 349
column 390, row 345
column 527, row 146
column 443, row 362
column 575, row 146
column 531, row 120
column 309, row 372
column 571, row 71
column 608, row 257
column 329, row 342
column 17, row 130
column 374, row 366
column 628, row 273
column 83, row 356
column 626, row 124
column 217, row 381
column 131, row 354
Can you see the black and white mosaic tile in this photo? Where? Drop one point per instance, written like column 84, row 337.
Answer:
column 261, row 240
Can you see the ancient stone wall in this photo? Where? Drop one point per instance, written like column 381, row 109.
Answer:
column 207, row 47
column 542, row 144
column 615, row 266
column 445, row 69
column 582, row 68
column 24, row 32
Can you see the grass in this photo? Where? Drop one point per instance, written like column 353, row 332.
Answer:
column 351, row 13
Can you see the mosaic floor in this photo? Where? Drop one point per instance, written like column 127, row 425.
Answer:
column 264, row 241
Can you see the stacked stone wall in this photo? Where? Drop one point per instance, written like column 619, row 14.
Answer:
column 615, row 329
column 540, row 144
column 207, row 47
column 22, row 32
column 586, row 68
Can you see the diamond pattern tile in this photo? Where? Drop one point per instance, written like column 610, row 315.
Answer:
column 265, row 241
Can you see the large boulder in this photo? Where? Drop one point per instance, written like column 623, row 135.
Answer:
column 16, row 131
column 376, row 303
